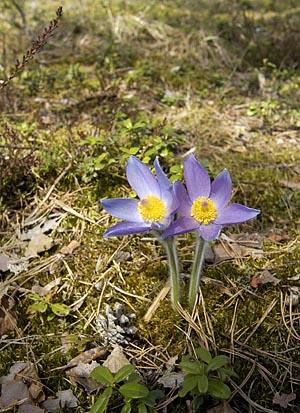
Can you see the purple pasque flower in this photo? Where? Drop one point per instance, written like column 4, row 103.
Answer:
column 155, row 208
column 204, row 206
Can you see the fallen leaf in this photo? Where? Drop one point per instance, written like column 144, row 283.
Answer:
column 42, row 291
column 47, row 225
column 8, row 319
column 221, row 408
column 81, row 374
column 12, row 393
column 28, row 407
column 221, row 254
column 69, row 249
column 264, row 277
column 4, row 260
column 18, row 266
column 39, row 243
column 209, row 254
column 122, row 256
column 24, row 373
column 87, row 356
column 294, row 298
column 170, row 364
column 283, row 399
column 275, row 237
column 293, row 183
column 218, row 285
column 116, row 360
column 65, row 400
column 171, row 379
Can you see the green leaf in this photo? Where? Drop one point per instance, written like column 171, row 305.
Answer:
column 192, row 367
column 102, row 402
column 40, row 307
column 217, row 362
column 127, row 123
column 134, row 377
column 218, row 389
column 227, row 372
column 60, row 309
column 142, row 408
column 134, row 150
column 150, row 399
column 126, row 408
column 203, row 354
column 102, row 375
column 189, row 383
column 197, row 403
column 134, row 391
column 202, row 384
column 124, row 372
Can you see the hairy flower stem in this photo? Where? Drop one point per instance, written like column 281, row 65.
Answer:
column 196, row 271
column 170, row 247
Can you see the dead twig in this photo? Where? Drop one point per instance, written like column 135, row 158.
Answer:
column 36, row 47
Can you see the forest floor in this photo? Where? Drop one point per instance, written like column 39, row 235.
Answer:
column 164, row 80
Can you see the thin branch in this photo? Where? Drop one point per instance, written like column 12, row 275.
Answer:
column 36, row 47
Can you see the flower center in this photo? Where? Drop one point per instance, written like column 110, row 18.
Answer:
column 204, row 210
column 152, row 209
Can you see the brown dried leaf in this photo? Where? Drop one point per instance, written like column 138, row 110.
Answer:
column 264, row 277
column 171, row 379
column 87, row 356
column 26, row 374
column 8, row 319
column 4, row 260
column 28, row 407
column 122, row 256
column 47, row 225
column 69, row 249
column 12, row 393
column 218, row 285
column 221, row 408
column 275, row 237
column 293, row 183
column 81, row 375
column 39, row 243
column 42, row 291
column 65, row 400
column 283, row 399
column 116, row 360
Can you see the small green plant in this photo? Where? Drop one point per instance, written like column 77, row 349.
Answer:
column 43, row 305
column 205, row 376
column 135, row 394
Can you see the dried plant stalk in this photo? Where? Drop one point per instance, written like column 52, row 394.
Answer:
column 36, row 47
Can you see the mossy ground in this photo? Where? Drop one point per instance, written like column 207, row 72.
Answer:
column 122, row 78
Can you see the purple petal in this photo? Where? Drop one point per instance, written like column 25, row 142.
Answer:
column 141, row 179
column 126, row 228
column 221, row 189
column 181, row 226
column 196, row 178
column 210, row 232
column 185, row 203
column 122, row 208
column 162, row 178
column 235, row 213
column 170, row 200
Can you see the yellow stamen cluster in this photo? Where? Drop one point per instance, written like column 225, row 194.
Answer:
column 152, row 209
column 204, row 210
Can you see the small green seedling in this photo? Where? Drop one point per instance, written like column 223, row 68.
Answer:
column 135, row 394
column 43, row 305
column 205, row 376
